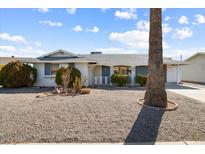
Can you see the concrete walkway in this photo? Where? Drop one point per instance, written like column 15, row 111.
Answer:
column 193, row 91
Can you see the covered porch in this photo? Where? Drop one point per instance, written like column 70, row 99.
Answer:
column 101, row 74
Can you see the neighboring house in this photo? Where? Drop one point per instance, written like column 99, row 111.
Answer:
column 6, row 60
column 98, row 67
column 195, row 71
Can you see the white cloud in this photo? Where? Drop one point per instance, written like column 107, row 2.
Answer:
column 27, row 51
column 183, row 20
column 77, row 28
column 134, row 38
column 104, row 9
column 167, row 18
column 200, row 19
column 164, row 9
column 43, row 10
column 7, row 48
column 37, row 44
column 126, row 14
column 13, row 38
column 29, row 47
column 166, row 28
column 143, row 25
column 182, row 33
column 71, row 11
column 51, row 23
column 94, row 29
column 176, row 53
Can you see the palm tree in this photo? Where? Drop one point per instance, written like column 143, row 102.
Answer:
column 155, row 92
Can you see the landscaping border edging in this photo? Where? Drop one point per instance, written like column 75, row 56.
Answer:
column 158, row 108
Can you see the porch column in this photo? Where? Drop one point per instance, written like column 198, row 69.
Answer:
column 178, row 74
column 91, row 77
column 111, row 73
column 132, row 75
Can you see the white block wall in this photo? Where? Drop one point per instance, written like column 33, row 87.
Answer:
column 41, row 79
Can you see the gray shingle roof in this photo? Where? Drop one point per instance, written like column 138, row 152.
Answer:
column 125, row 59
column 100, row 59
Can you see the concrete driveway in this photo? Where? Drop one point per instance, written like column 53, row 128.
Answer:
column 194, row 91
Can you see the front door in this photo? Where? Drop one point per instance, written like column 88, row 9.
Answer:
column 105, row 74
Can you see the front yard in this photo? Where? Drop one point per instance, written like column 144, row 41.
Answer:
column 102, row 116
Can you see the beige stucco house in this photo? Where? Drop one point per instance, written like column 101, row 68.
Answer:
column 195, row 70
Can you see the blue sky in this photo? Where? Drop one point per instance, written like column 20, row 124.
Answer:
column 33, row 32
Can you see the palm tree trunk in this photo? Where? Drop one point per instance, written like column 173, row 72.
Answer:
column 155, row 92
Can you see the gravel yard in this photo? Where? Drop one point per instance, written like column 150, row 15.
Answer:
column 110, row 116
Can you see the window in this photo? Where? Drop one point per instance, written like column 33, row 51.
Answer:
column 51, row 69
column 47, row 69
column 54, row 69
column 122, row 70
column 142, row 70
column 71, row 64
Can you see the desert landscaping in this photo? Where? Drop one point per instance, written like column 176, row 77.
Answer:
column 109, row 115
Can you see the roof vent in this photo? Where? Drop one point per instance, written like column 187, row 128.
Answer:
column 95, row 52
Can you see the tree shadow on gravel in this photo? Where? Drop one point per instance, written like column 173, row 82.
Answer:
column 145, row 128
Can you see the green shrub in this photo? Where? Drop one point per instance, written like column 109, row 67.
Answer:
column 119, row 80
column 74, row 73
column 16, row 74
column 1, row 66
column 141, row 79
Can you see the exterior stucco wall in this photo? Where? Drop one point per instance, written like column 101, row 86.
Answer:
column 195, row 71
column 89, row 73
column 83, row 68
column 49, row 81
column 41, row 79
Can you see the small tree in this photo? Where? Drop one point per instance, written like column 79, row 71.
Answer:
column 77, row 85
column 73, row 74
column 65, row 76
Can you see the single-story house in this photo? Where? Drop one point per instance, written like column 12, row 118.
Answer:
column 97, row 67
column 195, row 70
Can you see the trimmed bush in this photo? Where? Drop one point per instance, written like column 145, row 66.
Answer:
column 119, row 80
column 1, row 66
column 16, row 74
column 141, row 79
column 75, row 73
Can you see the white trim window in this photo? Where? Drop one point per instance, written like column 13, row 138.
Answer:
column 50, row 69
